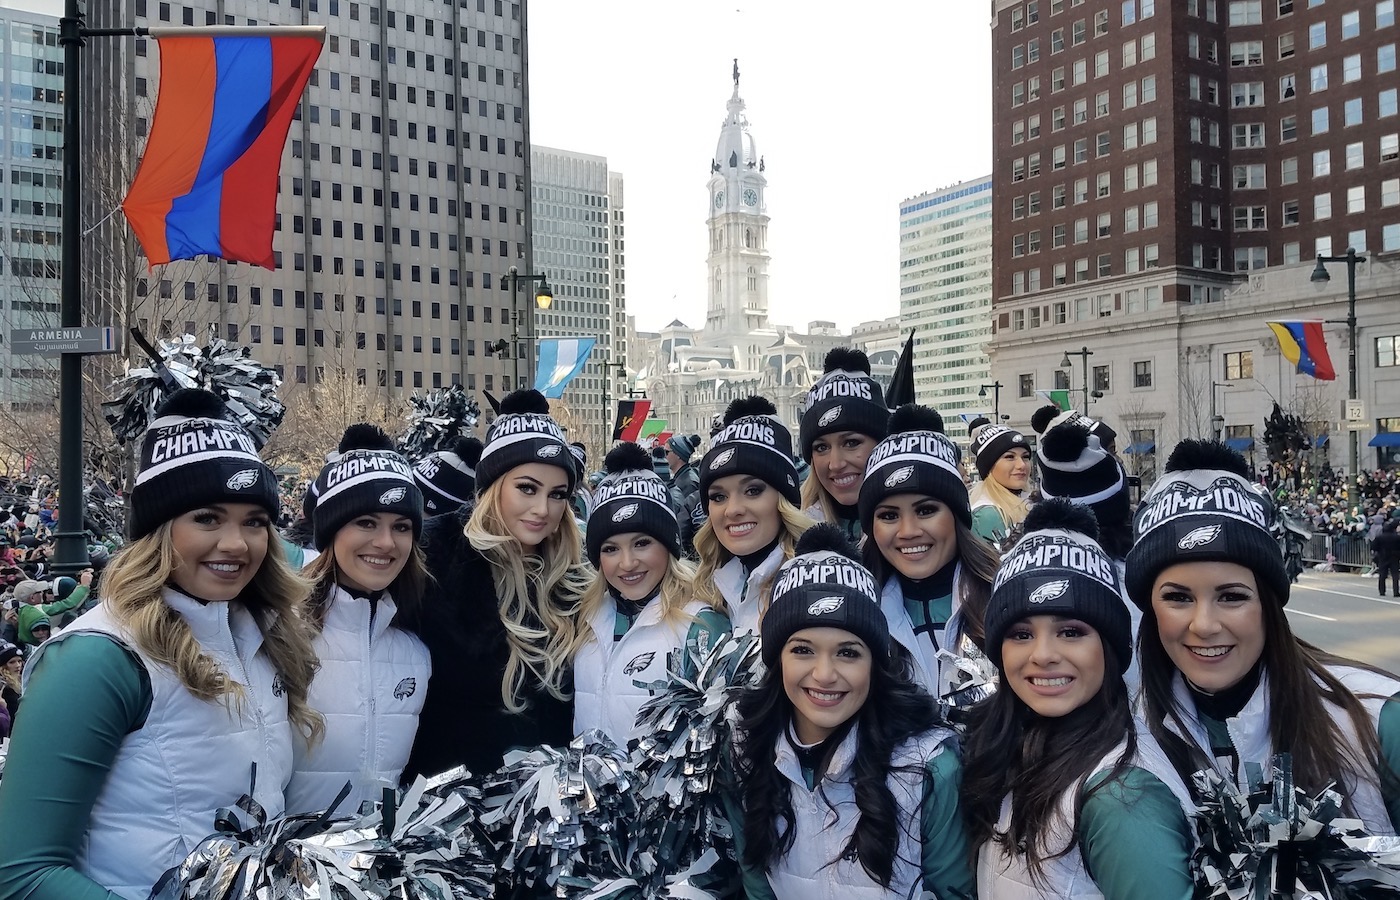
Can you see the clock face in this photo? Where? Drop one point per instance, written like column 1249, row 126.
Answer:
column 719, row 199
column 750, row 197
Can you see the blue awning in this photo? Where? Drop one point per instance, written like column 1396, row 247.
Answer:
column 1386, row 439
column 1142, row 448
column 1240, row 444
column 1321, row 440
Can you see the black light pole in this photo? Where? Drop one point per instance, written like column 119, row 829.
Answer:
column 996, row 398
column 543, row 298
column 1217, row 421
column 1083, row 353
column 1320, row 276
column 608, row 368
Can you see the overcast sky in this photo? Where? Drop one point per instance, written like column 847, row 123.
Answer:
column 854, row 108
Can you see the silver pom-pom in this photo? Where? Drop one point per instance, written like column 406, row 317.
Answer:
column 436, row 419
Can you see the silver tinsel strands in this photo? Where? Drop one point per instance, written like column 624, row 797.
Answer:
column 436, row 419
column 247, row 387
column 1277, row 843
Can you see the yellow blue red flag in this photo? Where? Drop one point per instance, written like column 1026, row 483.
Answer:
column 1303, row 344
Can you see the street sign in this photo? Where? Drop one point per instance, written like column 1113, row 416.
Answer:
column 57, row 341
column 1355, row 411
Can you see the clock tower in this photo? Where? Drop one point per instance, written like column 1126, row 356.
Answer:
column 738, row 224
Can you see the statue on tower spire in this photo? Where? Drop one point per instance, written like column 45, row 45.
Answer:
column 736, row 73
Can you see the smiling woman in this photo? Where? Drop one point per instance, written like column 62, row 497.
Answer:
column 845, row 418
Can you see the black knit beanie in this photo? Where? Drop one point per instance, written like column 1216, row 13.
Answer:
column 447, row 478
column 684, row 445
column 1041, row 418
column 989, row 442
column 1097, row 427
column 193, row 455
column 845, row 398
column 752, row 442
column 1059, row 569
column 1204, row 508
column 524, row 433
column 917, row 458
column 1074, row 466
column 631, row 497
column 368, row 477
column 823, row 586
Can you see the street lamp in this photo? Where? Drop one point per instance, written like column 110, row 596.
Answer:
column 1083, row 354
column 543, row 298
column 1320, row 277
column 996, row 398
column 1217, row 422
column 608, row 367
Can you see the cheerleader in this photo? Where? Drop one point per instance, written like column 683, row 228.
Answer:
column 844, row 418
column 639, row 612
column 179, row 693
column 501, row 610
column 935, row 574
column 848, row 785
column 1063, row 799
column 1003, row 461
column 748, row 483
column 368, row 581
column 1226, row 683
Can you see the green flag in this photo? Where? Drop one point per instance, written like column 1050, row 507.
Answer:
column 1059, row 398
column 652, row 427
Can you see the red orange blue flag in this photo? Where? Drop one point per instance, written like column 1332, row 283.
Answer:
column 207, row 182
column 1303, row 344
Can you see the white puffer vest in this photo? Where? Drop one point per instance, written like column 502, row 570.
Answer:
column 744, row 595
column 609, row 674
column 1007, row 877
column 937, row 676
column 1249, row 732
column 191, row 756
column 826, row 819
column 370, row 690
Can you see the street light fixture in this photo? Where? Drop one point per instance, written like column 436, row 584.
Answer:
column 1217, row 422
column 1320, row 277
column 1083, row 353
column 544, row 297
column 996, row 398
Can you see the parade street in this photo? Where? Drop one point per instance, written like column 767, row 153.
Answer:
column 1344, row 615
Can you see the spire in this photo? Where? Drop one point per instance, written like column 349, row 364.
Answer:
column 736, row 76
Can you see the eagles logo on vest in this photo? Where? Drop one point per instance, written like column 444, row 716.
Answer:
column 1198, row 537
column 719, row 461
column 549, row 451
column 1050, row 590
column 392, row 496
column 279, row 688
column 831, row 415
column 626, row 512
column 826, row 605
column 899, row 476
column 638, row 663
column 243, row 479
column 405, row 688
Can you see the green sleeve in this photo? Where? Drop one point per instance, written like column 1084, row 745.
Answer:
column 755, row 882
column 85, row 695
column 1135, row 839
column 946, row 866
column 74, row 600
column 988, row 524
column 1389, row 730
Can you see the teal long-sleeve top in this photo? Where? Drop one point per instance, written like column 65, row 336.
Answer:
column 86, row 694
column 1135, row 839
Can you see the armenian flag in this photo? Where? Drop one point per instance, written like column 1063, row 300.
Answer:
column 1304, row 345
column 207, row 183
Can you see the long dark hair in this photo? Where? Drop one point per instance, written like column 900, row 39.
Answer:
column 979, row 561
column 895, row 710
column 1011, row 749
column 1301, row 682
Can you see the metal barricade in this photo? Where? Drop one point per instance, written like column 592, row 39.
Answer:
column 1342, row 554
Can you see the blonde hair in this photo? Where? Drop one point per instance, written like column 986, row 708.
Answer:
column 713, row 555
column 1013, row 508
column 538, row 593
column 133, row 586
column 12, row 681
column 677, row 590
column 406, row 589
column 813, row 494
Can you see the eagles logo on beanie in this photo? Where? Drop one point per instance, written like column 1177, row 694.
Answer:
column 845, row 398
column 193, row 455
column 752, row 442
column 1074, row 466
column 1059, row 569
column 631, row 497
column 447, row 478
column 524, row 433
column 989, row 442
column 823, row 586
column 917, row 458
column 368, row 476
column 1204, row 509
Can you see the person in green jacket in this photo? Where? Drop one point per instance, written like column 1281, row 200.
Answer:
column 68, row 594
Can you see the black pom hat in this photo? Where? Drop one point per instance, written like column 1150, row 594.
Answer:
column 844, row 399
column 989, row 442
column 368, row 476
column 823, row 586
column 1097, row 427
column 1204, row 509
column 524, row 433
column 752, row 442
column 1073, row 465
column 193, row 455
column 447, row 478
column 917, row 458
column 1059, row 569
column 631, row 497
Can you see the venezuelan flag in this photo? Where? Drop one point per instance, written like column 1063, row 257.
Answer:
column 1303, row 345
column 207, row 183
